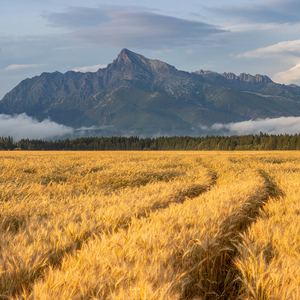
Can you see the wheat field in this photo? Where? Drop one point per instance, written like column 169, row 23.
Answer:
column 149, row 225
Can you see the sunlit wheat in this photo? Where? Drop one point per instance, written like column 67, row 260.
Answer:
column 149, row 225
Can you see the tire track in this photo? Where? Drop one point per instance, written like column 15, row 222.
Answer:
column 214, row 276
column 125, row 221
column 54, row 257
column 179, row 197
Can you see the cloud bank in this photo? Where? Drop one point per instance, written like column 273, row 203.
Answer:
column 282, row 125
column 22, row 127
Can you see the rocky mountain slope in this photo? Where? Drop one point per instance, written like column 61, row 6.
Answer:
column 143, row 96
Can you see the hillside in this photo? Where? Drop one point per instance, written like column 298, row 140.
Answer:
column 145, row 96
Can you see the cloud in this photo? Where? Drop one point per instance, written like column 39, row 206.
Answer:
column 131, row 28
column 268, row 11
column 22, row 127
column 288, row 76
column 94, row 68
column 286, row 47
column 78, row 17
column 283, row 125
column 17, row 67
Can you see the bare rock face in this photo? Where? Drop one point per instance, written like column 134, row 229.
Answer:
column 247, row 77
column 242, row 82
column 150, row 96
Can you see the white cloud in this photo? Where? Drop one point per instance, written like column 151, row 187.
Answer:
column 17, row 67
column 22, row 127
column 289, row 47
column 288, row 76
column 94, row 68
column 283, row 125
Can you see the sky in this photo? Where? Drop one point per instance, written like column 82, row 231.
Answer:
column 239, row 36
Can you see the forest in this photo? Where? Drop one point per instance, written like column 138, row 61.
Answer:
column 228, row 143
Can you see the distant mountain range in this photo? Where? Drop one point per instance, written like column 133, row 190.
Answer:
column 137, row 95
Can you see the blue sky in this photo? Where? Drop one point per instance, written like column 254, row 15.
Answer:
column 256, row 37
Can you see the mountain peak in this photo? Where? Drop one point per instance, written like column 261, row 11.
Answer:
column 127, row 57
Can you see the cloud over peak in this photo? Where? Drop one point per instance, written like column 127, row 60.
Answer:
column 131, row 28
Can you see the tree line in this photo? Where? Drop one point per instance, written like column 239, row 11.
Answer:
column 244, row 142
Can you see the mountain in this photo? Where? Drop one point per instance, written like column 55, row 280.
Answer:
column 137, row 95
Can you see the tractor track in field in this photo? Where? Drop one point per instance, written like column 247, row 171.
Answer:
column 190, row 192
column 221, row 264
column 54, row 257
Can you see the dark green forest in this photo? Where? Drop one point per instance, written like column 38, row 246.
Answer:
column 227, row 143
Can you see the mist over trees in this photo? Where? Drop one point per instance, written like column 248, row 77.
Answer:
column 229, row 143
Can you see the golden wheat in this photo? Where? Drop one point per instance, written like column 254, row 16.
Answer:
column 149, row 225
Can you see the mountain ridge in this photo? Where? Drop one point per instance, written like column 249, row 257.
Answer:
column 141, row 95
